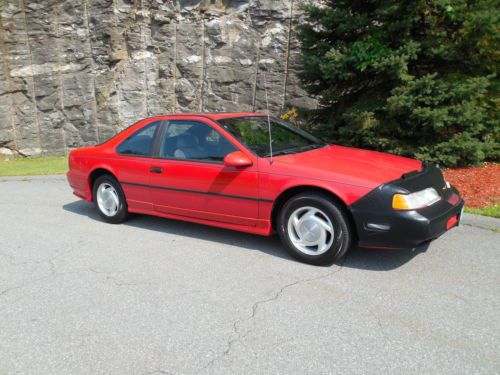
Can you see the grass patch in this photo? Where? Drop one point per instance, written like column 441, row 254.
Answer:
column 493, row 211
column 34, row 166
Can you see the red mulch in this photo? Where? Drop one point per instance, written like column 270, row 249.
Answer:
column 479, row 186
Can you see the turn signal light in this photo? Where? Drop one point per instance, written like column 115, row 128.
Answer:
column 415, row 200
column 399, row 202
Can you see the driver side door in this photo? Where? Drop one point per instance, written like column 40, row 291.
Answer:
column 190, row 179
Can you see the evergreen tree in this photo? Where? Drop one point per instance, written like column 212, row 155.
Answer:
column 412, row 77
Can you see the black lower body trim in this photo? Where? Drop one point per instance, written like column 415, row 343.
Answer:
column 196, row 192
column 406, row 229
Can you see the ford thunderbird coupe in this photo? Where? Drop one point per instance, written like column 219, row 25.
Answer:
column 254, row 173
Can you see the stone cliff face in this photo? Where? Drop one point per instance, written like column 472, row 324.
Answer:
column 76, row 72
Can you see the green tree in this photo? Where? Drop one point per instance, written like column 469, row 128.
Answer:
column 415, row 77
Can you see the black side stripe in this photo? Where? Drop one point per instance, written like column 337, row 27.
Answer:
column 196, row 192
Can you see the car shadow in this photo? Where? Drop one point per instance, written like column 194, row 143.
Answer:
column 380, row 259
column 359, row 258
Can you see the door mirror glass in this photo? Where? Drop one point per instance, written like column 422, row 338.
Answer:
column 237, row 159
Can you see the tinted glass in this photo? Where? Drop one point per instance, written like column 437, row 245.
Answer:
column 141, row 142
column 254, row 132
column 192, row 140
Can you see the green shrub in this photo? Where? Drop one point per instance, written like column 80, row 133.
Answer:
column 410, row 77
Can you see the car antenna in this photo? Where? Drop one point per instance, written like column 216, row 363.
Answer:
column 268, row 123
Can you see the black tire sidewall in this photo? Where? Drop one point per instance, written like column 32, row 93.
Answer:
column 122, row 213
column 336, row 214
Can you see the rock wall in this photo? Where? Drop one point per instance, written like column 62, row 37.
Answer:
column 75, row 72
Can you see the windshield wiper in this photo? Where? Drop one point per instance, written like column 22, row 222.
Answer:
column 312, row 147
column 282, row 152
column 296, row 150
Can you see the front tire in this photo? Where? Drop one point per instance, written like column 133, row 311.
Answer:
column 110, row 200
column 314, row 228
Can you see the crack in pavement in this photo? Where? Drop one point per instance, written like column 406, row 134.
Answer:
column 30, row 179
column 52, row 272
column 17, row 180
column 233, row 340
column 49, row 261
column 113, row 279
column 13, row 259
column 159, row 371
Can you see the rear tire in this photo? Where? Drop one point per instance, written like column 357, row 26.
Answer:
column 109, row 200
column 314, row 228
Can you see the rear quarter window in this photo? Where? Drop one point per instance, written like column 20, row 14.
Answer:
column 141, row 142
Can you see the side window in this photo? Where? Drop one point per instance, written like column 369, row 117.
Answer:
column 192, row 140
column 141, row 142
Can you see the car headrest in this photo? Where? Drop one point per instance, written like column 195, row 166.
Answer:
column 186, row 141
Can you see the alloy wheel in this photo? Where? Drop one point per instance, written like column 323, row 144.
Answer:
column 310, row 230
column 107, row 199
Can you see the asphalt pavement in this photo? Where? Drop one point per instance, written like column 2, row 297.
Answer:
column 158, row 296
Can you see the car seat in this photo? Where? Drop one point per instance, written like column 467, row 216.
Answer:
column 188, row 148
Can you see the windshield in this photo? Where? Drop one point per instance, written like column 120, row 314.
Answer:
column 254, row 133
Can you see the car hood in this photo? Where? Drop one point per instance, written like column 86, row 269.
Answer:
column 348, row 165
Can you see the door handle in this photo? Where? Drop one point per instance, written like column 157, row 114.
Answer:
column 156, row 170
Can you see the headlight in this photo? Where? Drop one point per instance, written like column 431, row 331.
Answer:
column 416, row 200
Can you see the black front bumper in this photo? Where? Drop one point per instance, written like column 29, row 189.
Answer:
column 379, row 225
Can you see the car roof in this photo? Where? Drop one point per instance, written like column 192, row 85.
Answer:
column 219, row 115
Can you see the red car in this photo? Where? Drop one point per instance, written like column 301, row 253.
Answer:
column 219, row 169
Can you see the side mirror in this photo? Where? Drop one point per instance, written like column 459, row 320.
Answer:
column 237, row 159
